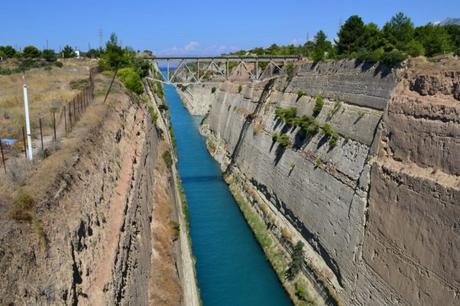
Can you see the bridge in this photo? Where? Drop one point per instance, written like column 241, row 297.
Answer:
column 210, row 69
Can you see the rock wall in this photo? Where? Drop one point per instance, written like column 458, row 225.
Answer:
column 329, row 193
column 412, row 239
column 97, row 246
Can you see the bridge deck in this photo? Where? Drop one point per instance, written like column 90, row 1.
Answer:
column 226, row 58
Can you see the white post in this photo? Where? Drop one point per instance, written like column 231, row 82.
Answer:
column 29, row 138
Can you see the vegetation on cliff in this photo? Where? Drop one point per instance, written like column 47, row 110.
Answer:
column 391, row 44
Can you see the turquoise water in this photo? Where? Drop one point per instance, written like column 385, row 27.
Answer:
column 231, row 266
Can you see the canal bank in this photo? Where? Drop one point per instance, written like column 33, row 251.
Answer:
column 231, row 267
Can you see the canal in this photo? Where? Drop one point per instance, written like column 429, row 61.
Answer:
column 231, row 266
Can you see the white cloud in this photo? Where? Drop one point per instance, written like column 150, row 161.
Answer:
column 191, row 46
column 195, row 48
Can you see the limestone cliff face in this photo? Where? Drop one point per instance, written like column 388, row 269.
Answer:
column 412, row 239
column 369, row 238
column 97, row 218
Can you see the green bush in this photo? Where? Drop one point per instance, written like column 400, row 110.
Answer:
column 22, row 207
column 307, row 124
column 393, row 58
column 327, row 130
column 163, row 107
column 331, row 134
column 240, row 88
column 415, row 48
column 131, row 80
column 281, row 139
column 167, row 159
column 59, row 64
column 68, row 52
column 319, row 103
column 286, row 115
column 31, row 52
column 8, row 51
column 213, row 90
column 297, row 259
column 153, row 114
column 49, row 55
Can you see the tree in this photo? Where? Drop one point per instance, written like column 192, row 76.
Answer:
column 415, row 48
column 454, row 31
column 8, row 51
column 434, row 38
column 349, row 35
column 31, row 52
column 114, row 56
column 49, row 55
column 68, row 52
column 131, row 79
column 399, row 31
column 322, row 47
column 297, row 261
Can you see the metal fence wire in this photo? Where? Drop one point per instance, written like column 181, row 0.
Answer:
column 48, row 129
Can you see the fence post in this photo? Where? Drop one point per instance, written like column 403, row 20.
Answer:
column 70, row 116
column 74, row 112
column 3, row 156
column 65, row 119
column 41, row 136
column 54, row 129
column 24, row 141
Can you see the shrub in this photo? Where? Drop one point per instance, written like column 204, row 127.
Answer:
column 318, row 162
column 79, row 84
column 213, row 90
column 68, row 52
column 415, row 48
column 327, row 130
column 163, row 107
column 287, row 115
column 22, row 207
column 319, row 103
column 59, row 64
column 31, row 52
column 281, row 139
column 49, row 55
column 297, row 260
column 167, row 159
column 331, row 134
column 300, row 94
column 301, row 292
column 333, row 140
column 153, row 114
column 308, row 125
column 131, row 79
column 240, row 88
column 393, row 58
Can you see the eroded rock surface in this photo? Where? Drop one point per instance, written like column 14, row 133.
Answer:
column 380, row 208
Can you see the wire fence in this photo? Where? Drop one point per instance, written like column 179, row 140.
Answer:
column 47, row 130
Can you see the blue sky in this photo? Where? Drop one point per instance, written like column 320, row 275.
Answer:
column 197, row 27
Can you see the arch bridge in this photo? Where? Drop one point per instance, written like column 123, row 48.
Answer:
column 211, row 69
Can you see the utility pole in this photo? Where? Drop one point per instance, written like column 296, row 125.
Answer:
column 26, row 111
column 101, row 37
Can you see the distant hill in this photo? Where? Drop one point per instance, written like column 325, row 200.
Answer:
column 450, row 21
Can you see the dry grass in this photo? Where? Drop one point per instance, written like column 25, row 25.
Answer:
column 36, row 179
column 48, row 89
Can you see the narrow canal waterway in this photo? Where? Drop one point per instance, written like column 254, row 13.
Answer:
column 231, row 267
